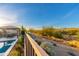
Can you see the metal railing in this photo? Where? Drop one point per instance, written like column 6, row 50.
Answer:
column 31, row 48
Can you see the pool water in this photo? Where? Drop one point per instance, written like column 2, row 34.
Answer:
column 9, row 42
column 4, row 46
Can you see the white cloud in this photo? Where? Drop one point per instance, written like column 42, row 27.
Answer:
column 70, row 12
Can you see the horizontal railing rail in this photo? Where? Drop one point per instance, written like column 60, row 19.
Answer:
column 32, row 48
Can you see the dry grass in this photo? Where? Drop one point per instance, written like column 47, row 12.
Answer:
column 73, row 43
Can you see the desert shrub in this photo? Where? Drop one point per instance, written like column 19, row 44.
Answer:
column 38, row 41
column 77, row 34
column 66, row 37
column 73, row 43
column 48, row 47
column 47, row 31
column 72, row 32
column 50, row 31
column 58, row 34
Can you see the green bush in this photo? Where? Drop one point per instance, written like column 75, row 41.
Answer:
column 20, row 40
column 58, row 34
column 47, row 31
column 38, row 41
column 48, row 47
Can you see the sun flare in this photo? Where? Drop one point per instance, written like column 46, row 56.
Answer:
column 4, row 21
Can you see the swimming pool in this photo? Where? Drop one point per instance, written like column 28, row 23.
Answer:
column 7, row 45
column 4, row 48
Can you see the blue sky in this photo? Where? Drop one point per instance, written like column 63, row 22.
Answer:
column 38, row 15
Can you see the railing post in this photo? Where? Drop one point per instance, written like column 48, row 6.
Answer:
column 29, row 49
column 24, row 46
